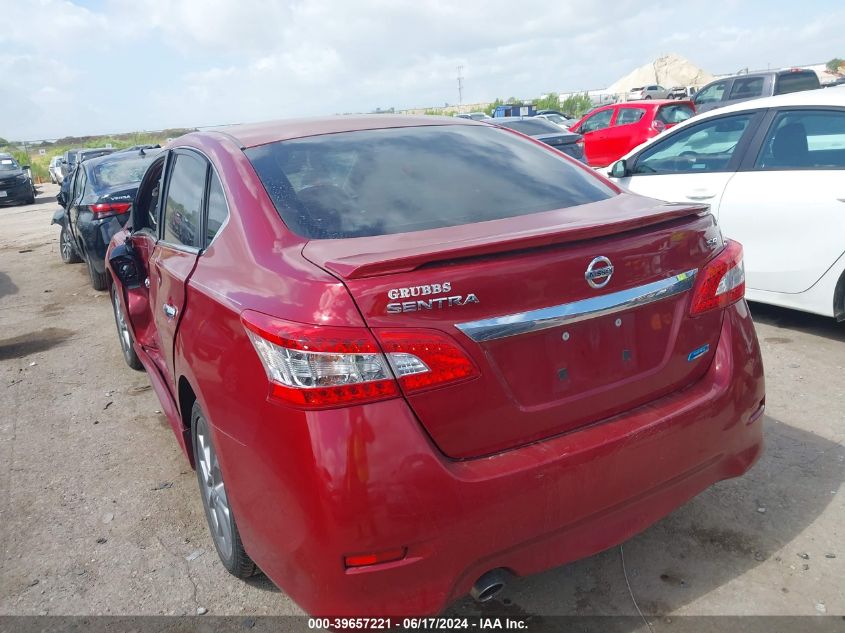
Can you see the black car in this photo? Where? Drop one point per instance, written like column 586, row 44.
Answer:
column 97, row 202
column 545, row 132
column 74, row 156
column 15, row 182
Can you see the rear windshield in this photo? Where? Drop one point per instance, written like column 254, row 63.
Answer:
column 796, row 82
column 670, row 114
column 379, row 182
column 119, row 172
column 529, row 126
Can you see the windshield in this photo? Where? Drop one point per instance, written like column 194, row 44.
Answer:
column 8, row 164
column 530, row 126
column 379, row 182
column 120, row 172
column 671, row 114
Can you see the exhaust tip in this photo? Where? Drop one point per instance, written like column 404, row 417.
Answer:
column 490, row 585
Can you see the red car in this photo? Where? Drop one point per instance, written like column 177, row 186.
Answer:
column 412, row 357
column 612, row 131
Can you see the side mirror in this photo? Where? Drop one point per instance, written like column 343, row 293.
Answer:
column 60, row 198
column 620, row 169
column 124, row 263
column 25, row 167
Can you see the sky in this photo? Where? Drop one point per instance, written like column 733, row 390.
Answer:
column 106, row 66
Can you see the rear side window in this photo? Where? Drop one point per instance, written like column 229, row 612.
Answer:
column 380, row 182
column 629, row 115
column 809, row 139
column 670, row 114
column 796, row 82
column 747, row 88
column 218, row 210
column 183, row 205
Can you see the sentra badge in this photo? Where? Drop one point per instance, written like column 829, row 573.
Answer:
column 430, row 303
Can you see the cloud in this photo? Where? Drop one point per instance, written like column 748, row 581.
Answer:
column 161, row 63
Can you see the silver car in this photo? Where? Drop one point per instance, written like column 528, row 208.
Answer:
column 648, row 92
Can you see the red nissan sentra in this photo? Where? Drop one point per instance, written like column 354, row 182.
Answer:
column 411, row 357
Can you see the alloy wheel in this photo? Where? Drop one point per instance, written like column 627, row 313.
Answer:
column 122, row 329
column 213, row 490
column 66, row 246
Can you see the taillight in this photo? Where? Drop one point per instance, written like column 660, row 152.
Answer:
column 423, row 359
column 721, row 282
column 318, row 366
column 313, row 366
column 104, row 209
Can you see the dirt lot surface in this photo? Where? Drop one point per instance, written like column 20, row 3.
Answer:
column 100, row 513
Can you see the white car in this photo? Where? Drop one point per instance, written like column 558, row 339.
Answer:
column 648, row 92
column 55, row 170
column 773, row 172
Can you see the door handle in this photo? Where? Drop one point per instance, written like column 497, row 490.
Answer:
column 701, row 195
column 169, row 310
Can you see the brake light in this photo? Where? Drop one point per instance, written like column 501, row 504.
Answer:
column 721, row 282
column 423, row 359
column 313, row 366
column 103, row 209
column 317, row 366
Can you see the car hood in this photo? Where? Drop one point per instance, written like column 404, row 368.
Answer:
column 10, row 173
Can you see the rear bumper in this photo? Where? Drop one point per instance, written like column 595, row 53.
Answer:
column 368, row 479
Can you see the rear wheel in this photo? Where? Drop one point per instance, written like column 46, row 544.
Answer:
column 66, row 249
column 99, row 281
column 123, row 333
column 218, row 513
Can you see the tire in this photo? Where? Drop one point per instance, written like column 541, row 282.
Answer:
column 218, row 513
column 124, row 334
column 66, row 250
column 99, row 281
column 648, row 97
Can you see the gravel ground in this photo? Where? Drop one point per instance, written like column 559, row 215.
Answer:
column 100, row 513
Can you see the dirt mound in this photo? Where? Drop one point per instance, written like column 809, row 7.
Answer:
column 668, row 71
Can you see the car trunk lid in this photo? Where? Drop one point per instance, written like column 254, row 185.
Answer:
column 554, row 376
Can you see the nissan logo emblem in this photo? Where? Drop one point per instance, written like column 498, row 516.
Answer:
column 599, row 272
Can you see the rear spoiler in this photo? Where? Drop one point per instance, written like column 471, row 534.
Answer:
column 355, row 258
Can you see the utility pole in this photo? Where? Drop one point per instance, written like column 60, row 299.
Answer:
column 460, row 85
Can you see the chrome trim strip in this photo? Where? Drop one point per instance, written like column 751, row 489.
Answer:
column 554, row 316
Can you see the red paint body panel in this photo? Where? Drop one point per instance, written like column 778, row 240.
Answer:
column 607, row 145
column 584, row 469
